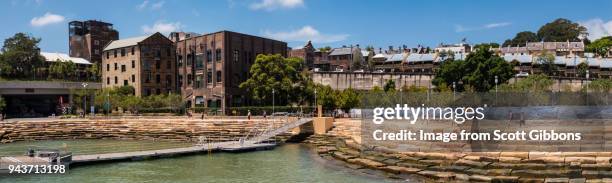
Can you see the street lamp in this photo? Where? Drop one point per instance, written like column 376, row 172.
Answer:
column 315, row 96
column 496, row 84
column 587, row 81
column 272, row 101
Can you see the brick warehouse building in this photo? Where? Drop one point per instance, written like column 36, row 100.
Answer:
column 147, row 63
column 87, row 39
column 212, row 66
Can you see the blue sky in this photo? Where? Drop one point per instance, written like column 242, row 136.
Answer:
column 335, row 23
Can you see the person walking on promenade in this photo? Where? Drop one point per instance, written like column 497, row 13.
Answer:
column 249, row 114
column 264, row 114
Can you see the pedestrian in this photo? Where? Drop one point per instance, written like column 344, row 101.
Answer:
column 249, row 114
column 264, row 114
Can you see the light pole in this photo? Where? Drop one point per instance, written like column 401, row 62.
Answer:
column 315, row 96
column 272, row 101
column 587, row 81
column 84, row 99
column 496, row 85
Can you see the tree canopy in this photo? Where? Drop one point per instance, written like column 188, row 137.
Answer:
column 20, row 56
column 559, row 30
column 562, row 30
column 477, row 71
column 284, row 76
column 601, row 46
column 521, row 38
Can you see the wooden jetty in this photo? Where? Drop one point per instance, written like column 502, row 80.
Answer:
column 255, row 143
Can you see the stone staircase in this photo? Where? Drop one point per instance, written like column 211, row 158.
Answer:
column 472, row 167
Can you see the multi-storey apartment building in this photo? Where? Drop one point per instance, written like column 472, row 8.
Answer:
column 87, row 39
column 568, row 49
column 212, row 66
column 306, row 53
column 147, row 63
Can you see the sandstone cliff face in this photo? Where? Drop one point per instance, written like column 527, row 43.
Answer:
column 171, row 129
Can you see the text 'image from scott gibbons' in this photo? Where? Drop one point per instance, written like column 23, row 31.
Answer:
column 486, row 122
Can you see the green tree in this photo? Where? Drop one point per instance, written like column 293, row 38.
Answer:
column 348, row 99
column 486, row 46
column 325, row 49
column 389, row 85
column 94, row 72
column 561, row 30
column 532, row 83
column 21, row 56
column 125, row 90
column 326, row 96
column 600, row 85
column 478, row 71
column 601, row 46
column 546, row 62
column 521, row 38
column 284, row 76
column 581, row 69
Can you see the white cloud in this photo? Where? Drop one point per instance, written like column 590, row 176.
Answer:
column 306, row 33
column 597, row 28
column 158, row 5
column 143, row 5
column 495, row 25
column 146, row 4
column 48, row 18
column 461, row 28
column 276, row 4
column 162, row 27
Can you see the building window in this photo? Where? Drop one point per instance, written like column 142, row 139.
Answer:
column 116, row 66
column 115, row 53
column 236, row 56
column 116, row 80
column 168, row 52
column 188, row 59
column 209, row 76
column 157, row 53
column 107, row 67
column 199, row 61
column 169, row 64
column 199, row 81
column 107, row 55
column 218, row 54
column 147, row 92
column 148, row 76
column 157, row 78
column 158, row 91
column 180, row 60
column 168, row 80
column 157, row 64
column 96, row 42
column 108, row 80
column 125, row 82
column 189, row 77
column 123, row 52
column 147, row 65
column 133, row 64
column 96, row 51
column 218, row 76
column 123, row 68
column 133, row 48
column 208, row 55
column 180, row 80
column 133, row 78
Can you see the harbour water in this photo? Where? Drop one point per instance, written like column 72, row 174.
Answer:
column 286, row 163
